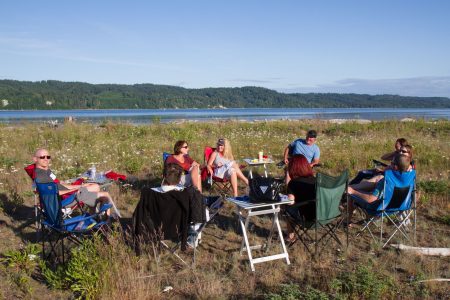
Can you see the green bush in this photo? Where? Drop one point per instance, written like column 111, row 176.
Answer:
column 82, row 272
column 24, row 260
column 363, row 283
column 437, row 187
column 292, row 292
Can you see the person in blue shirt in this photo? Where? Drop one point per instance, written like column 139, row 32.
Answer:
column 306, row 147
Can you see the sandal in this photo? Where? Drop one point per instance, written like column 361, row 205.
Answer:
column 349, row 224
column 291, row 239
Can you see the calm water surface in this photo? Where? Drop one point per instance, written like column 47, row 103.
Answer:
column 142, row 116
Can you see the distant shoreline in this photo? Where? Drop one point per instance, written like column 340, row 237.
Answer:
column 144, row 116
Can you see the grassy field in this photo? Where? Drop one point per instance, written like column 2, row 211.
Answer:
column 96, row 270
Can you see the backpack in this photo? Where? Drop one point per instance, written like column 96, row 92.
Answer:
column 264, row 189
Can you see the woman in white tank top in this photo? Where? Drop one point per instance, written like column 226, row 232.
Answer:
column 221, row 163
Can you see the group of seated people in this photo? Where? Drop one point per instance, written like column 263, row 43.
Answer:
column 367, row 185
column 221, row 164
column 181, row 171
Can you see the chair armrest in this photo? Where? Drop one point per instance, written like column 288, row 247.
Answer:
column 104, row 207
column 301, row 204
column 78, row 219
column 379, row 163
column 68, row 200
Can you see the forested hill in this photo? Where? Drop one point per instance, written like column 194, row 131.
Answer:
column 77, row 95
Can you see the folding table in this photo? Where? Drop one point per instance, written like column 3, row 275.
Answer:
column 245, row 211
column 253, row 163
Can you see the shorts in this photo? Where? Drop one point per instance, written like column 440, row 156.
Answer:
column 87, row 197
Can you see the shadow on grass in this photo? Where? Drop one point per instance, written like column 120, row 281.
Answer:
column 22, row 214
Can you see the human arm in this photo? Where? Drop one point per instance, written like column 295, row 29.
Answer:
column 369, row 197
column 316, row 156
column 286, row 154
column 210, row 165
column 389, row 156
column 314, row 162
column 192, row 162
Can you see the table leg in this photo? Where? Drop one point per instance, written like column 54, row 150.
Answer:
column 265, row 170
column 277, row 222
column 244, row 242
column 245, row 239
column 269, row 238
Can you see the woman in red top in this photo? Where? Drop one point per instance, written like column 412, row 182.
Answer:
column 190, row 166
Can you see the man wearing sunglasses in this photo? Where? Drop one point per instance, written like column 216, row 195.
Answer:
column 87, row 193
column 45, row 175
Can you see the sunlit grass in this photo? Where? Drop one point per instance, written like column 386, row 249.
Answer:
column 221, row 272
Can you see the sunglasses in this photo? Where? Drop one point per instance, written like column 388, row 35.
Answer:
column 45, row 156
column 185, row 147
column 404, row 151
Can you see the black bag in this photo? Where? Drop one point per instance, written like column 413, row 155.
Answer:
column 264, row 189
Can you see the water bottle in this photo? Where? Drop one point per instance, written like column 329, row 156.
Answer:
column 93, row 172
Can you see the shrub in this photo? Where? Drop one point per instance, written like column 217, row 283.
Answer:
column 292, row 291
column 81, row 273
column 437, row 187
column 363, row 283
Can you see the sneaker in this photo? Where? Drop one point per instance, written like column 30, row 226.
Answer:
column 192, row 242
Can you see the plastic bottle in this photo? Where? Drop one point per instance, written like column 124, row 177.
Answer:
column 260, row 156
column 93, row 172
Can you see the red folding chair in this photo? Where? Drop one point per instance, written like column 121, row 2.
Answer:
column 221, row 185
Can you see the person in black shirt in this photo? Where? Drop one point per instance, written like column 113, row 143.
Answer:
column 301, row 188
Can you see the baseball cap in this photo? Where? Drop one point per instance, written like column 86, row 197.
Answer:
column 311, row 134
column 221, row 141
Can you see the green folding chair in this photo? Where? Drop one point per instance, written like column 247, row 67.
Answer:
column 329, row 213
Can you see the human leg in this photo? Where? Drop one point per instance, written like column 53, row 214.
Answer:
column 234, row 184
column 239, row 173
column 287, row 178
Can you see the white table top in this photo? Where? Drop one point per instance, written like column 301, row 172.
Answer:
column 244, row 202
column 253, row 162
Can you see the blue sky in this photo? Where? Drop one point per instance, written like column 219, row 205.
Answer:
column 375, row 47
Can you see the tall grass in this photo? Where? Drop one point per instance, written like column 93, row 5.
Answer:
column 115, row 271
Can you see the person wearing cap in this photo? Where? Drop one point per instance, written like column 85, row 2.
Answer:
column 221, row 163
column 306, row 147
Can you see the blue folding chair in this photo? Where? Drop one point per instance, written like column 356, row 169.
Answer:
column 55, row 229
column 165, row 156
column 396, row 204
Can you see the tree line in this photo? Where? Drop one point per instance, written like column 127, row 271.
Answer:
column 52, row 94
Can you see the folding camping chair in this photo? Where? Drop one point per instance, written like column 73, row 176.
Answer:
column 221, row 185
column 396, row 204
column 69, row 204
column 55, row 229
column 329, row 217
column 165, row 155
column 153, row 222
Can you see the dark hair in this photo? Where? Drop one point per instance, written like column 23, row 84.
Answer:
column 402, row 162
column 299, row 167
column 172, row 174
column 178, row 146
column 311, row 134
column 409, row 149
column 401, row 141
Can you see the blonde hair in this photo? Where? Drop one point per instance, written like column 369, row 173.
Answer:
column 227, row 151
